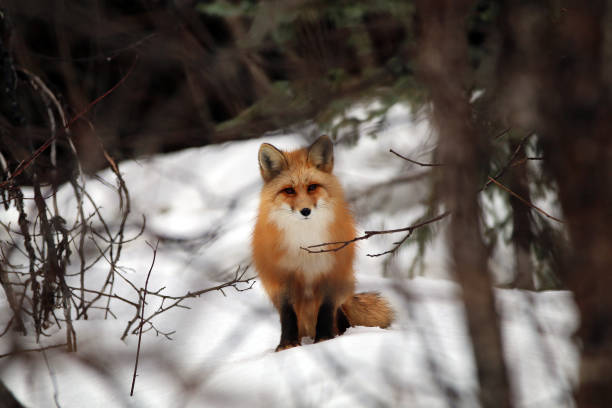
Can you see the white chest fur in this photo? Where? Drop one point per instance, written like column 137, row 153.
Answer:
column 300, row 232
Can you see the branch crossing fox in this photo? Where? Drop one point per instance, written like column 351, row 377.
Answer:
column 302, row 204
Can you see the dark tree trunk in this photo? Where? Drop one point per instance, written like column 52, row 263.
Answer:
column 443, row 57
column 564, row 59
column 578, row 144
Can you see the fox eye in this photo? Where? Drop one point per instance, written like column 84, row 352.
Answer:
column 289, row 190
column 312, row 187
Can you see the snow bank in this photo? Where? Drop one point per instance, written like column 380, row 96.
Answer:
column 222, row 348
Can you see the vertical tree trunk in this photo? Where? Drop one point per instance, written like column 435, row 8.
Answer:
column 562, row 63
column 578, row 145
column 444, row 67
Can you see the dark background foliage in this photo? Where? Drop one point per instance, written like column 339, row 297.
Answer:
column 203, row 72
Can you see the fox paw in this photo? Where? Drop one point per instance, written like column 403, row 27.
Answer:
column 285, row 346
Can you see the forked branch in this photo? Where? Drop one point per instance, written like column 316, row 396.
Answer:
column 338, row 245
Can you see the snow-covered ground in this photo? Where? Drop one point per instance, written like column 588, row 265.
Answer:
column 222, row 349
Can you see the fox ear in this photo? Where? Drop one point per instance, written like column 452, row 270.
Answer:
column 271, row 161
column 321, row 154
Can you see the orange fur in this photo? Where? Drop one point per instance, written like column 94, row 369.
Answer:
column 290, row 273
column 368, row 309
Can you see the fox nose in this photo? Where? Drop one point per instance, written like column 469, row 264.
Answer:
column 305, row 212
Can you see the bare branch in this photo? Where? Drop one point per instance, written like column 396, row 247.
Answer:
column 541, row 211
column 503, row 132
column 416, row 162
column 239, row 278
column 396, row 246
column 143, row 302
column 369, row 234
column 509, row 163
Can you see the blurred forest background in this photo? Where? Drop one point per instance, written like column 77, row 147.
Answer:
column 89, row 83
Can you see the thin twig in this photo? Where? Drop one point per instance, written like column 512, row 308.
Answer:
column 416, row 162
column 509, row 162
column 541, row 211
column 396, row 246
column 144, row 294
column 238, row 278
column 503, row 132
column 27, row 241
column 369, row 234
column 113, row 295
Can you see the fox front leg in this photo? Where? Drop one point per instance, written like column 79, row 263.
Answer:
column 325, row 321
column 289, row 327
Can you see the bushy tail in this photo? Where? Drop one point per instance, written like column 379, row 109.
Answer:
column 368, row 309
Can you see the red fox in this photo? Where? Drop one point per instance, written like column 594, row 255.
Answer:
column 302, row 204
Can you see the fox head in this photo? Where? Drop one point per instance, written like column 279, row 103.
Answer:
column 300, row 183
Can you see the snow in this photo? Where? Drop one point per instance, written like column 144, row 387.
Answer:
column 222, row 349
